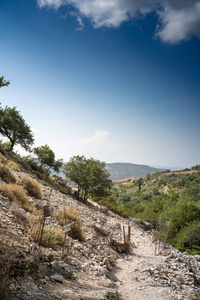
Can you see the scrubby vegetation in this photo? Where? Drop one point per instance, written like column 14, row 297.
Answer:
column 17, row 194
column 6, row 174
column 32, row 186
column 51, row 236
column 70, row 216
column 173, row 195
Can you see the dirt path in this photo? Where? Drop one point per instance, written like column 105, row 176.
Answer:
column 132, row 273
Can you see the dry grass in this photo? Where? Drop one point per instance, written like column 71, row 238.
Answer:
column 17, row 194
column 6, row 174
column 32, row 186
column 51, row 237
column 13, row 165
column 70, row 215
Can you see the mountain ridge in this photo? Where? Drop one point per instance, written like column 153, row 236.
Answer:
column 121, row 170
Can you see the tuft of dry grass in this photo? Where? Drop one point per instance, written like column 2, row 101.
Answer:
column 32, row 186
column 6, row 174
column 13, row 165
column 70, row 215
column 16, row 193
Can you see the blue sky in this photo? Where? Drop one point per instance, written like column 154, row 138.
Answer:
column 116, row 80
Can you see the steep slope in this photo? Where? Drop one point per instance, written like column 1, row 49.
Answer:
column 122, row 170
column 88, row 269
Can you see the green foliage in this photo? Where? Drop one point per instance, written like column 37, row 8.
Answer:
column 51, row 237
column 197, row 167
column 188, row 236
column 14, row 127
column 5, row 145
column 125, row 198
column 140, row 182
column 46, row 158
column 148, row 176
column 91, row 176
column 3, row 82
column 175, row 196
column 113, row 204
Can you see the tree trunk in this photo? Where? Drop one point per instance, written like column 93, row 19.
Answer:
column 12, row 145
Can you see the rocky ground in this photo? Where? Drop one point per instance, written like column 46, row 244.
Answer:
column 91, row 270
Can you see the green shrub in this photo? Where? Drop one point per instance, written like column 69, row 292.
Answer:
column 32, row 186
column 189, row 236
column 51, row 237
column 125, row 198
column 113, row 204
column 6, row 174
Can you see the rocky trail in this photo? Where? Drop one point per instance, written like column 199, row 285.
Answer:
column 143, row 275
column 92, row 270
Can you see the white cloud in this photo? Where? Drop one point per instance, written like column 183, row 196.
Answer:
column 179, row 24
column 53, row 3
column 81, row 24
column 179, row 19
column 34, row 130
column 101, row 146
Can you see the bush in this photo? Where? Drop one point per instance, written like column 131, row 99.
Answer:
column 113, row 204
column 70, row 215
column 189, row 236
column 16, row 193
column 125, row 198
column 32, row 186
column 51, row 237
column 6, row 174
column 13, row 165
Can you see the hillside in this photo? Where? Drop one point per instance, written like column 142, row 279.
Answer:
column 170, row 196
column 122, row 170
column 96, row 263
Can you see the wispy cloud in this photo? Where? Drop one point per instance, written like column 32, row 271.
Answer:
column 34, row 130
column 102, row 145
column 177, row 20
column 81, row 24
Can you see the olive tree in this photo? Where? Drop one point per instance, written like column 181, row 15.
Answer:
column 14, row 127
column 46, row 158
column 90, row 176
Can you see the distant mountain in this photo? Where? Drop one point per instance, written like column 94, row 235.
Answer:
column 122, row 170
